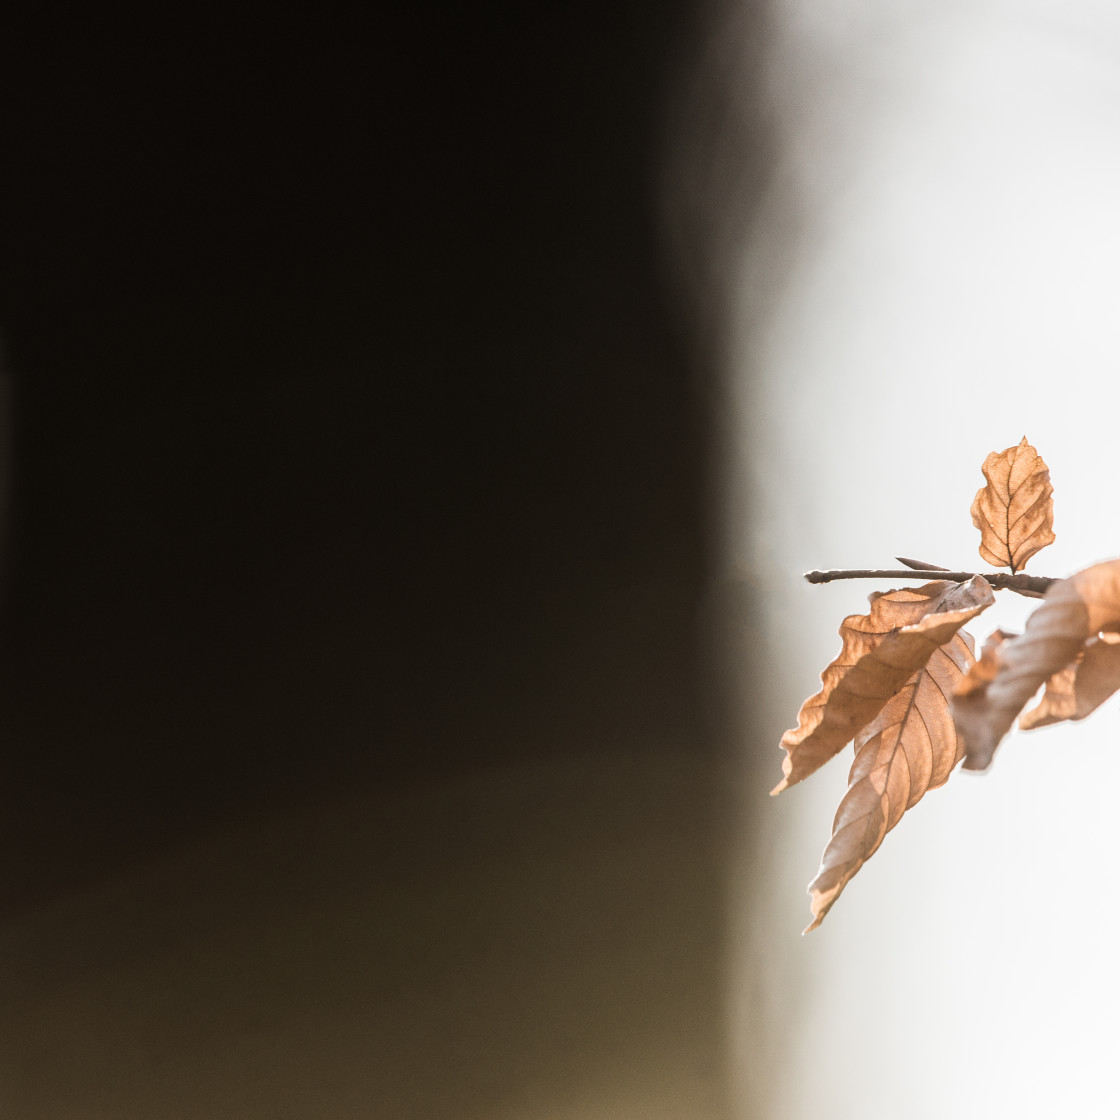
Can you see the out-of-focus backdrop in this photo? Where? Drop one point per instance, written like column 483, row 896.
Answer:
column 360, row 724
column 933, row 276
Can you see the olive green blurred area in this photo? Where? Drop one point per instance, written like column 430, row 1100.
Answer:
column 535, row 942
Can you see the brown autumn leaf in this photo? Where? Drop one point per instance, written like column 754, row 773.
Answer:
column 1073, row 613
column 910, row 748
column 881, row 651
column 1079, row 689
column 1015, row 510
column 982, row 671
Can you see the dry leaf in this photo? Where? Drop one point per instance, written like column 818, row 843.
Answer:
column 1078, row 689
column 1073, row 613
column 1015, row 511
column 909, row 748
column 881, row 651
column 908, row 690
column 1058, row 702
column 920, row 565
column 982, row 672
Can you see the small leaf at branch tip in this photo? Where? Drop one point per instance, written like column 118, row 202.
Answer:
column 921, row 565
column 1015, row 510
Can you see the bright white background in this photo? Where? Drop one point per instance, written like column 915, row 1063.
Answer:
column 935, row 273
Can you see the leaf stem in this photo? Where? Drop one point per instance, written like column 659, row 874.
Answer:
column 1033, row 586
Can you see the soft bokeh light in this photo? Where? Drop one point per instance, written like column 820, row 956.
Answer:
column 931, row 278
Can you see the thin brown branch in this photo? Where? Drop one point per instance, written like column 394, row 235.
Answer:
column 1033, row 586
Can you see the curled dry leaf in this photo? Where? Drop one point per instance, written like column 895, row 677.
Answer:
column 1073, row 613
column 1015, row 511
column 982, row 672
column 909, row 748
column 1078, row 689
column 881, row 651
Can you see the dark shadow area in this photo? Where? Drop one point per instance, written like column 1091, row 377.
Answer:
column 353, row 434
column 360, row 454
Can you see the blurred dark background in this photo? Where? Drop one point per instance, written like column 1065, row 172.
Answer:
column 351, row 426
column 358, row 470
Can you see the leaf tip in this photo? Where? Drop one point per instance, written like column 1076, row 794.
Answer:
column 787, row 773
column 977, row 765
column 820, row 901
column 818, row 907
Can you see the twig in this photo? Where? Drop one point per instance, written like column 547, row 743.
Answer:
column 1033, row 586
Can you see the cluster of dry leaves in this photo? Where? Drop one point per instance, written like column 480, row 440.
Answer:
column 908, row 689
